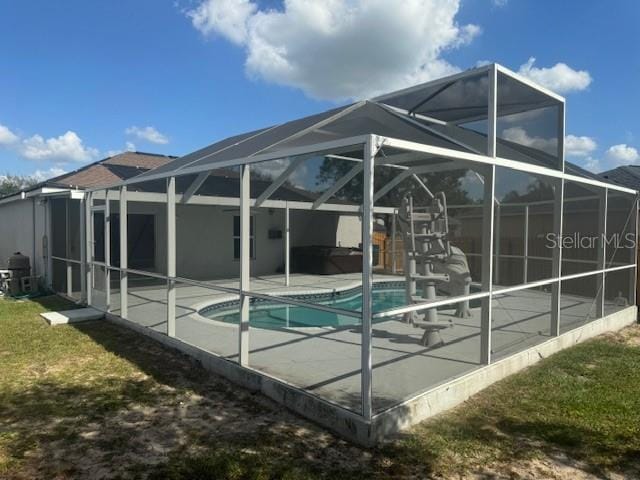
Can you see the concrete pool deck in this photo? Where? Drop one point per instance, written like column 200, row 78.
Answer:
column 326, row 361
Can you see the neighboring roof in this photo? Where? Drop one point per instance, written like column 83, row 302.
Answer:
column 626, row 176
column 105, row 172
column 574, row 169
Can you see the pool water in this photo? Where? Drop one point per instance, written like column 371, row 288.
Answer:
column 276, row 315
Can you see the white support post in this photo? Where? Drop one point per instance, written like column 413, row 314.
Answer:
column 488, row 216
column 634, row 271
column 525, row 267
column 124, row 254
column 171, row 256
column 107, row 251
column 83, row 249
column 68, row 265
column 556, row 259
column 88, row 222
column 497, row 233
column 287, row 245
column 367, row 277
column 492, row 112
column 394, row 267
column 49, row 260
column 561, row 129
column 487, row 264
column 245, row 259
column 602, row 251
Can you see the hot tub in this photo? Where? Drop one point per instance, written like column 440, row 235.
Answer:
column 319, row 260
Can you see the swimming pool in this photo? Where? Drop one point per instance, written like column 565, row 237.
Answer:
column 273, row 316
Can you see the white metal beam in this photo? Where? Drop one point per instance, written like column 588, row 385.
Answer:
column 338, row 185
column 235, row 202
column 430, row 130
column 271, row 189
column 193, row 188
column 498, row 161
column 416, row 178
column 391, row 184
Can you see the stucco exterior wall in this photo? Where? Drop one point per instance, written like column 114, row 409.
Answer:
column 19, row 232
column 204, row 238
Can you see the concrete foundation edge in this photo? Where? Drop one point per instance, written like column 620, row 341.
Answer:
column 455, row 392
column 353, row 427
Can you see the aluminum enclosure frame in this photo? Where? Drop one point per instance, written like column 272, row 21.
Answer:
column 371, row 145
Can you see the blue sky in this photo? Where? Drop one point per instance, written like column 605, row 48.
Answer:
column 81, row 79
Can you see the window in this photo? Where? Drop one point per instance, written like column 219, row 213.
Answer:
column 236, row 238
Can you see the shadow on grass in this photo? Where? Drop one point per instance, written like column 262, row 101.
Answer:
column 168, row 416
column 138, row 407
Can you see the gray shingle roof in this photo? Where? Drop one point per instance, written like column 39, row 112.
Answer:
column 627, row 176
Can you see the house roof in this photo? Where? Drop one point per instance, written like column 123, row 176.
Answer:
column 105, row 172
column 627, row 176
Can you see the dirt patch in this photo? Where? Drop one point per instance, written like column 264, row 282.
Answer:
column 627, row 336
column 187, row 410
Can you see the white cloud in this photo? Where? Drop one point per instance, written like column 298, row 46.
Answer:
column 521, row 136
column 579, row 146
column 560, row 78
column 7, row 137
column 622, row 154
column 592, row 164
column 67, row 147
column 339, row 49
column 150, row 134
column 42, row 175
column 224, row 17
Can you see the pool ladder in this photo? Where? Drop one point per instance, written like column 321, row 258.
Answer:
column 426, row 239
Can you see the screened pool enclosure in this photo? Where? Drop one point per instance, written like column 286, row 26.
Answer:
column 371, row 253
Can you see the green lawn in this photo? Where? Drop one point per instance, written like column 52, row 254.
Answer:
column 96, row 400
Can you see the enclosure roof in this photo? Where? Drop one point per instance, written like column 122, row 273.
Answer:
column 362, row 118
column 430, row 114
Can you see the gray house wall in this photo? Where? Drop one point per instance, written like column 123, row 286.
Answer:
column 18, row 234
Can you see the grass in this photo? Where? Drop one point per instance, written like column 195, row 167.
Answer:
column 96, row 400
